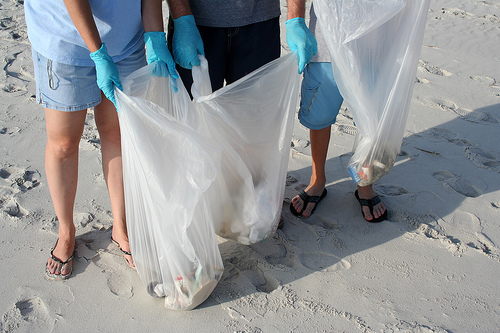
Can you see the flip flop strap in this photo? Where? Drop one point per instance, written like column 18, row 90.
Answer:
column 315, row 198
column 303, row 195
column 370, row 202
column 125, row 252
column 56, row 259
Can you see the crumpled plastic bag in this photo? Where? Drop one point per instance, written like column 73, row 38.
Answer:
column 252, row 119
column 374, row 47
column 167, row 167
column 192, row 169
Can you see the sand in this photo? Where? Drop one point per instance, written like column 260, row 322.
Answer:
column 432, row 267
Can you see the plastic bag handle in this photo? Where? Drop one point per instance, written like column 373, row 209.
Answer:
column 201, row 79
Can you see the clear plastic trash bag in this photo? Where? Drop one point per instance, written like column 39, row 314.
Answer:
column 167, row 167
column 374, row 47
column 192, row 169
column 252, row 119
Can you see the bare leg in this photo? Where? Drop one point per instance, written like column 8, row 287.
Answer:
column 367, row 192
column 64, row 130
column 109, row 131
column 320, row 139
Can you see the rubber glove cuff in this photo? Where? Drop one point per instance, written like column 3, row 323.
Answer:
column 187, row 43
column 107, row 73
column 157, row 50
column 301, row 41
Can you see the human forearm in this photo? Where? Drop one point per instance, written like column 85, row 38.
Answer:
column 152, row 15
column 296, row 8
column 81, row 15
column 179, row 8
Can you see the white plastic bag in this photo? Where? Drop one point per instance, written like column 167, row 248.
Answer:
column 374, row 47
column 194, row 168
column 167, row 167
column 252, row 119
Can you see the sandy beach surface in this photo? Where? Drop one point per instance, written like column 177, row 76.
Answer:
column 434, row 266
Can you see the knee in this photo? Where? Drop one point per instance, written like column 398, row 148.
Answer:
column 63, row 147
column 110, row 134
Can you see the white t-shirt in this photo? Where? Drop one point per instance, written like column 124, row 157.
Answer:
column 53, row 34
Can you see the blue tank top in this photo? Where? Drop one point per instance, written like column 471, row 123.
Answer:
column 53, row 34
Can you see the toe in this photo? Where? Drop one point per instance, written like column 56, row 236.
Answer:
column 307, row 212
column 297, row 203
column 368, row 215
column 53, row 267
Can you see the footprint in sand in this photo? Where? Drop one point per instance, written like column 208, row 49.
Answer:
column 473, row 152
column 28, row 315
column 390, row 190
column 465, row 230
column 7, row 23
column 13, row 182
column 300, row 144
column 466, row 114
column 290, row 180
column 484, row 79
column 314, row 245
column 117, row 272
column 457, row 12
column 424, row 66
column 449, row 180
column 421, row 80
column 482, row 159
column 489, row 3
column 243, row 262
column 9, row 130
column 346, row 129
column 16, row 66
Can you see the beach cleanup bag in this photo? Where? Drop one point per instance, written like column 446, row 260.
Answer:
column 374, row 46
column 252, row 120
column 194, row 168
column 167, row 167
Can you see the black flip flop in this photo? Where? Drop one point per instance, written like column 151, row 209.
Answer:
column 316, row 199
column 59, row 277
column 124, row 252
column 370, row 203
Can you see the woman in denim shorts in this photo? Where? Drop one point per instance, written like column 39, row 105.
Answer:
column 80, row 50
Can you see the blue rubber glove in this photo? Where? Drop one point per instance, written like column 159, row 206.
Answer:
column 106, row 72
column 187, row 43
column 300, row 41
column 157, row 50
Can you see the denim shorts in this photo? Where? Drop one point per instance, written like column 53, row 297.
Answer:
column 73, row 88
column 320, row 100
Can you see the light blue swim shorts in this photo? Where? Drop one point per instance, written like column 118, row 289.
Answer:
column 320, row 97
column 73, row 88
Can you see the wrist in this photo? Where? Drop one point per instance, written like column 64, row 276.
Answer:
column 99, row 54
column 153, row 36
column 296, row 20
column 185, row 20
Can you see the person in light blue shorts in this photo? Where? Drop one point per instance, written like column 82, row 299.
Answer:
column 80, row 50
column 319, row 106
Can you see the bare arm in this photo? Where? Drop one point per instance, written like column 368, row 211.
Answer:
column 152, row 15
column 179, row 8
column 81, row 15
column 296, row 8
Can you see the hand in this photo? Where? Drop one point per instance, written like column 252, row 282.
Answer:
column 157, row 50
column 106, row 72
column 187, row 43
column 300, row 41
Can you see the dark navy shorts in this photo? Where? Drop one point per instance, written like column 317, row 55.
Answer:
column 234, row 52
